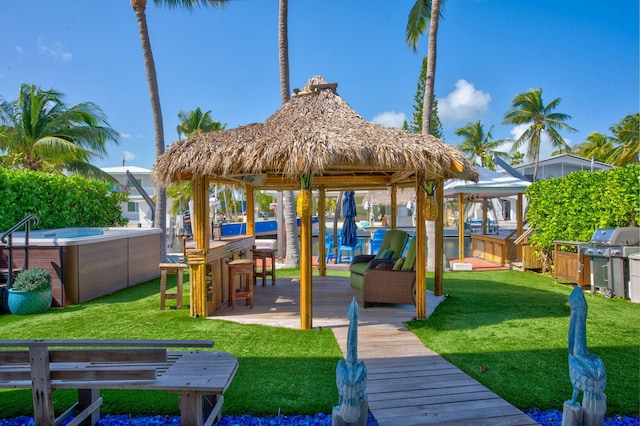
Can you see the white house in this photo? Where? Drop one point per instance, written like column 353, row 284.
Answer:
column 136, row 209
column 559, row 166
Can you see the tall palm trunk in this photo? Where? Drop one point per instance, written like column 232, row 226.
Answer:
column 429, row 86
column 536, row 157
column 159, row 220
column 426, row 115
column 293, row 246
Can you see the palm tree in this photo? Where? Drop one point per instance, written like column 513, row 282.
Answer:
column 597, row 146
column 293, row 246
column 478, row 144
column 180, row 194
column 196, row 122
column 626, row 133
column 192, row 123
column 139, row 7
column 516, row 158
column 421, row 12
column 528, row 108
column 39, row 132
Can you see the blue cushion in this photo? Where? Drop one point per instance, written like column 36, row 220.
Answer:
column 382, row 253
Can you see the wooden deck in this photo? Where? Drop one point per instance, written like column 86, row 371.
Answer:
column 407, row 384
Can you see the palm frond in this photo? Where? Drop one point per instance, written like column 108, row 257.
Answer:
column 417, row 21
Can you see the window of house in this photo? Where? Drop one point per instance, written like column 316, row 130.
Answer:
column 132, row 189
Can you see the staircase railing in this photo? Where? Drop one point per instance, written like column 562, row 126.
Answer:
column 7, row 239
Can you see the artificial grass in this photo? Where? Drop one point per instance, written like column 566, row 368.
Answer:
column 512, row 323
column 509, row 330
column 280, row 370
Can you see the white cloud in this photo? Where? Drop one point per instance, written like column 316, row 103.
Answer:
column 19, row 50
column 390, row 119
column 517, row 131
column 128, row 156
column 465, row 103
column 56, row 50
column 124, row 135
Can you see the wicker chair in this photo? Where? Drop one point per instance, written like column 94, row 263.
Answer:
column 391, row 248
column 392, row 282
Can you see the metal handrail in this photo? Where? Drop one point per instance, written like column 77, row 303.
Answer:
column 26, row 222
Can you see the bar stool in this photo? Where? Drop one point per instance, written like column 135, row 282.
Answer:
column 238, row 268
column 263, row 255
column 171, row 268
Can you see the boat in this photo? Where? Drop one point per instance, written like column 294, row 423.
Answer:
column 267, row 227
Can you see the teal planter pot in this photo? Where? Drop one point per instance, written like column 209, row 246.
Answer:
column 29, row 302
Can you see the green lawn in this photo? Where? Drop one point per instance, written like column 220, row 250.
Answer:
column 513, row 323
column 513, row 326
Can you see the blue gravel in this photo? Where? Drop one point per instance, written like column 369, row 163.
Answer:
column 554, row 418
column 545, row 418
column 320, row 419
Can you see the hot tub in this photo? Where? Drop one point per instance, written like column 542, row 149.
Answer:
column 86, row 263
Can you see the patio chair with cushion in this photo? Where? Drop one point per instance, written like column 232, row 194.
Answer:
column 391, row 249
column 392, row 283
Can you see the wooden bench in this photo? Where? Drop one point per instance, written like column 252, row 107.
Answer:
column 199, row 377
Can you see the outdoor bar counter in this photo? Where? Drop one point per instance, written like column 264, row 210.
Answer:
column 217, row 274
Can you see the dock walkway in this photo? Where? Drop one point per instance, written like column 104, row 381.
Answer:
column 407, row 384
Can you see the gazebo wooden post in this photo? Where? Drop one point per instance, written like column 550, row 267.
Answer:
column 322, row 247
column 519, row 219
column 197, row 258
column 421, row 277
column 460, row 227
column 438, row 277
column 306, row 297
column 485, row 218
column 250, row 214
column 394, row 207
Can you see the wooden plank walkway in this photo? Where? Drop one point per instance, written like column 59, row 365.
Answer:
column 407, row 384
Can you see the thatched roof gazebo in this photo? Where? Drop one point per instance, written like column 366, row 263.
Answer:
column 383, row 197
column 316, row 141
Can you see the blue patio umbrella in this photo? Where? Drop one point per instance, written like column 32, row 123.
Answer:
column 349, row 229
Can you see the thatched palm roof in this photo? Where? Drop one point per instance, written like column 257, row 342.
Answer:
column 315, row 133
column 383, row 197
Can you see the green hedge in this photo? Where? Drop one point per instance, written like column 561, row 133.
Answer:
column 573, row 207
column 58, row 201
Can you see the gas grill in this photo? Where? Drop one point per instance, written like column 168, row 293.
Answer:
column 609, row 251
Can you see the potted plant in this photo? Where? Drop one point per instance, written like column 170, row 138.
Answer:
column 30, row 292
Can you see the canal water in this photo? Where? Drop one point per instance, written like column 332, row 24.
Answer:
column 450, row 246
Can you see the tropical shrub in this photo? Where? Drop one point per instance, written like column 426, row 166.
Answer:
column 58, row 201
column 573, row 207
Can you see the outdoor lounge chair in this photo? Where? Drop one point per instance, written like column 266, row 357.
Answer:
column 391, row 248
column 392, row 283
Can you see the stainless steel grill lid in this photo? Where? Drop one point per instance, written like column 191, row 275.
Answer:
column 628, row 236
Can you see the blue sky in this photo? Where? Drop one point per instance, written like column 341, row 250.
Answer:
column 226, row 60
